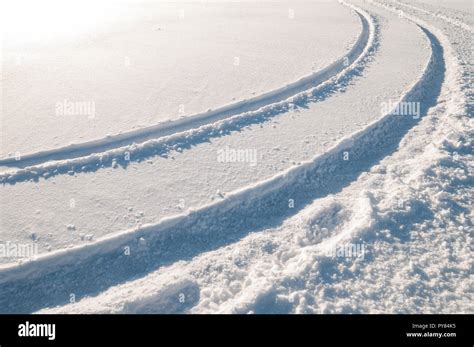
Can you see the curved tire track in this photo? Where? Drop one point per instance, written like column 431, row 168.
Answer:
column 89, row 269
column 162, row 146
column 449, row 20
column 195, row 121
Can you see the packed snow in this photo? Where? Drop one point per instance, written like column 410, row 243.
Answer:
column 333, row 173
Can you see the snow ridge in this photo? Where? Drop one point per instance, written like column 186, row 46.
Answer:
column 28, row 286
column 293, row 260
column 161, row 146
column 450, row 20
column 270, row 101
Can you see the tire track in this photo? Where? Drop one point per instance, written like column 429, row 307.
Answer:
column 449, row 20
column 270, row 293
column 162, row 146
column 89, row 269
column 275, row 99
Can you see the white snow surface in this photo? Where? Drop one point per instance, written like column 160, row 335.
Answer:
column 156, row 61
column 175, row 229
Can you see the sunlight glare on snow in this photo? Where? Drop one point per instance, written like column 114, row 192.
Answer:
column 34, row 21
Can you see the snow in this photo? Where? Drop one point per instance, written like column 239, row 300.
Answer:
column 185, row 123
column 199, row 157
column 348, row 208
column 122, row 75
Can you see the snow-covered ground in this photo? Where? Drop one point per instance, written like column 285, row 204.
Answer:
column 156, row 61
column 302, row 189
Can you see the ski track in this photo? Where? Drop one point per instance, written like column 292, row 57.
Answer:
column 90, row 269
column 92, row 152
